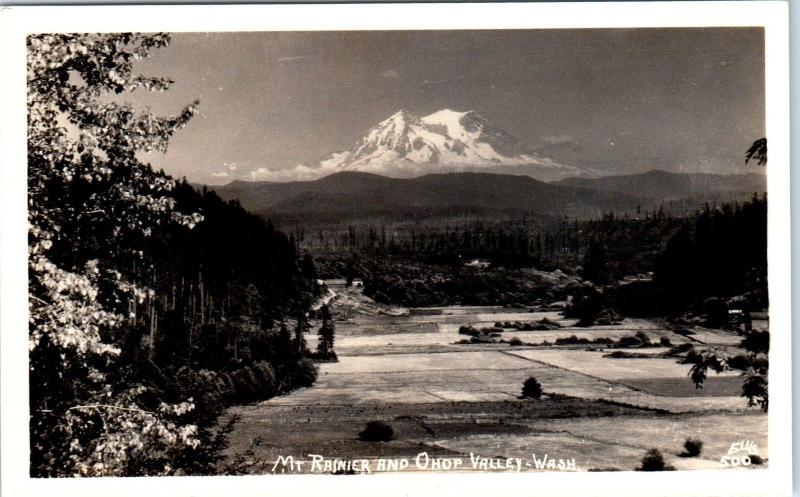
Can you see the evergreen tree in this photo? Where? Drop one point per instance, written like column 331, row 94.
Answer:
column 350, row 270
column 284, row 341
column 300, row 345
column 595, row 264
column 309, row 271
column 676, row 270
column 326, row 333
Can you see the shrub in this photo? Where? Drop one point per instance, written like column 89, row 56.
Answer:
column 201, row 386
column 226, row 385
column 305, row 373
column 469, row 330
column 210, row 381
column 515, row 342
column 652, row 461
column 680, row 349
column 246, row 383
column 739, row 362
column 532, row 389
column 265, row 373
column 692, row 357
column 184, row 381
column 666, row 342
column 209, row 398
column 693, row 447
column 640, row 339
column 628, row 342
column 585, row 305
column 543, row 325
column 572, row 340
column 607, row 317
column 376, row 431
column 622, row 354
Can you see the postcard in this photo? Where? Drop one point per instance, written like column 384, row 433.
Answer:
column 424, row 249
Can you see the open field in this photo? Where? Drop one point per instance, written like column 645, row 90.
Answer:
column 332, row 429
column 618, row 442
column 451, row 400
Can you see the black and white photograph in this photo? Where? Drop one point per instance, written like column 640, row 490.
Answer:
column 376, row 251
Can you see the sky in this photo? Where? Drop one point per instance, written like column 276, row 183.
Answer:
column 619, row 101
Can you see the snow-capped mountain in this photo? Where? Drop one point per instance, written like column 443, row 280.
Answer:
column 406, row 145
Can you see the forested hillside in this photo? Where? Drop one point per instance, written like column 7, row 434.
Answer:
column 354, row 196
column 661, row 185
column 719, row 251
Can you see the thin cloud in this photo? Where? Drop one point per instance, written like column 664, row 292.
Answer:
column 557, row 145
column 221, row 174
column 300, row 172
column 290, row 58
column 390, row 74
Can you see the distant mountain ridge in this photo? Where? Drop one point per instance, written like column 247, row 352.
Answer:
column 664, row 185
column 356, row 195
column 347, row 196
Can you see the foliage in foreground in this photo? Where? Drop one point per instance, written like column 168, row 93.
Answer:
column 753, row 365
column 87, row 418
column 132, row 351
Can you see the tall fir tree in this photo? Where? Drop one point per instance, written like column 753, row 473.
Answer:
column 326, row 333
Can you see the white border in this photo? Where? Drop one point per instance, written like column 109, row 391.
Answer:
column 16, row 22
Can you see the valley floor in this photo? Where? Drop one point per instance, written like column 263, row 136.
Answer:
column 452, row 400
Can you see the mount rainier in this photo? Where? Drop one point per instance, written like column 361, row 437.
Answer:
column 406, row 145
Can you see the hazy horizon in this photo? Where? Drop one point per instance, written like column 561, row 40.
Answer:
column 618, row 101
column 760, row 171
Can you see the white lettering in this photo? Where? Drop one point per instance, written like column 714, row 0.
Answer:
column 539, row 463
column 316, row 462
column 422, row 460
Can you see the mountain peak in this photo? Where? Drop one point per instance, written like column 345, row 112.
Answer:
column 450, row 112
column 406, row 145
column 402, row 114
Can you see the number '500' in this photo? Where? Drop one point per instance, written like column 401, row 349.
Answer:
column 735, row 460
